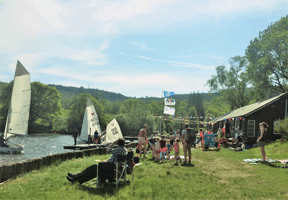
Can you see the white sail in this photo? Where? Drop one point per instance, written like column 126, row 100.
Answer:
column 90, row 122
column 113, row 132
column 18, row 114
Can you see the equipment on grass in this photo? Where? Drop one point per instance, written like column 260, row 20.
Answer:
column 208, row 142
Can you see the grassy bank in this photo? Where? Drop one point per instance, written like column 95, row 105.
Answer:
column 216, row 175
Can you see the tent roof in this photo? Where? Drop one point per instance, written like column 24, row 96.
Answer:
column 249, row 109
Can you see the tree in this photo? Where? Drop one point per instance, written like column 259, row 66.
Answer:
column 45, row 106
column 192, row 112
column 216, row 107
column 232, row 84
column 77, row 111
column 156, row 108
column 181, row 109
column 268, row 59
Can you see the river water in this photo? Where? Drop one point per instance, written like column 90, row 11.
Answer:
column 36, row 146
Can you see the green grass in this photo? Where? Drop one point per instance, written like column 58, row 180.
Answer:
column 216, row 175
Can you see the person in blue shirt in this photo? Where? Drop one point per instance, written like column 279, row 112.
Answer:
column 96, row 137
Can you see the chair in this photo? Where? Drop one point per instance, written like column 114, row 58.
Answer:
column 131, row 157
column 120, row 168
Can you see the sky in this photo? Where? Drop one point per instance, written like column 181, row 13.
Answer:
column 137, row 48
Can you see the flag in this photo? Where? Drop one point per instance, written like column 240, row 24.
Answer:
column 169, row 110
column 169, row 102
column 168, row 94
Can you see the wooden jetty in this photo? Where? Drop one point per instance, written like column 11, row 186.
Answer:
column 84, row 146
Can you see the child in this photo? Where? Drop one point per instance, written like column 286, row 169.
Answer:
column 171, row 142
column 168, row 144
column 157, row 149
column 162, row 145
column 177, row 151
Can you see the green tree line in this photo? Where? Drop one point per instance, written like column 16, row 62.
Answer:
column 48, row 115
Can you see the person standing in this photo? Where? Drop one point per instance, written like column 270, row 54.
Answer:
column 187, row 137
column 262, row 138
column 142, row 140
column 177, row 152
column 75, row 135
column 171, row 138
column 162, row 146
column 152, row 142
column 175, row 133
column 96, row 137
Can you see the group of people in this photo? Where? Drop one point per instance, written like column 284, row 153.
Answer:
column 94, row 140
column 158, row 146
column 163, row 146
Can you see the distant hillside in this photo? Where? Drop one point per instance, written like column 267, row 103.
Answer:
column 1, row 84
column 206, row 97
column 101, row 94
column 68, row 92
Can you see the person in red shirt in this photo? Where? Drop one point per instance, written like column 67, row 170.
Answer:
column 201, row 135
column 223, row 131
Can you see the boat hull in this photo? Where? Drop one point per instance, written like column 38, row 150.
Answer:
column 12, row 148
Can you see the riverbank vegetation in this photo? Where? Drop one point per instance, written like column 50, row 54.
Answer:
column 216, row 175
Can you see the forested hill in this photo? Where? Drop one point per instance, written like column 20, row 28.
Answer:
column 68, row 92
column 206, row 97
column 1, row 83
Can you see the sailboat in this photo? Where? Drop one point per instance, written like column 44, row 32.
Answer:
column 18, row 113
column 90, row 123
column 113, row 132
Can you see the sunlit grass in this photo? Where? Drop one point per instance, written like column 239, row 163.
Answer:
column 216, row 175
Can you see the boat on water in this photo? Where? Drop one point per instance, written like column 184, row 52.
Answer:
column 90, row 124
column 18, row 112
column 113, row 133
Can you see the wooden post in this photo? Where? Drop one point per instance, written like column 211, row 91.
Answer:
column 13, row 170
column 49, row 160
column 63, row 157
column 6, row 172
column 40, row 162
column 36, row 163
column 19, row 168
column 44, row 160
column 87, row 152
column 25, row 164
column 29, row 166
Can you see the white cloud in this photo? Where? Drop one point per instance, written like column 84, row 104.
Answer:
column 203, row 56
column 180, row 64
column 141, row 45
column 131, row 84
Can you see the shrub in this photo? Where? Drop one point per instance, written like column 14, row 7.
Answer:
column 281, row 126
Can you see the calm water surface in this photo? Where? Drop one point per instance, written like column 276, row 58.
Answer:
column 36, row 146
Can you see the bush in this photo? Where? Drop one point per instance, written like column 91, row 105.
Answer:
column 281, row 126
